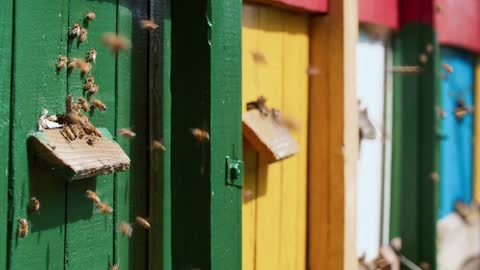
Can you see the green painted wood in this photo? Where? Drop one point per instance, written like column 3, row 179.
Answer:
column 89, row 234
column 36, row 85
column 415, row 145
column 206, row 213
column 160, row 242
column 132, row 107
column 6, row 42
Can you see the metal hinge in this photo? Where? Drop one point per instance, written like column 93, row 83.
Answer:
column 233, row 172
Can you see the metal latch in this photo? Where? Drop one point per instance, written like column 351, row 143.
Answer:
column 233, row 172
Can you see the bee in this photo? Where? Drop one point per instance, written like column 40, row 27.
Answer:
column 90, row 16
column 62, row 62
column 75, row 118
column 72, row 64
column 75, row 31
column 69, row 133
column 429, row 48
column 23, row 227
column 441, row 113
column 34, row 204
column 76, row 108
column 104, row 208
column 148, row 24
column 157, row 145
column 116, row 42
column 313, row 71
column 77, row 131
column 200, row 134
column 93, row 196
column 83, row 66
column 114, row 266
column 89, row 128
column 127, row 133
column 435, row 176
column 259, row 57
column 93, row 89
column 447, row 68
column 97, row 132
column 90, row 79
column 423, row 58
column 83, row 35
column 84, row 104
column 92, row 140
column 92, row 55
column 125, row 229
column 143, row 222
column 98, row 104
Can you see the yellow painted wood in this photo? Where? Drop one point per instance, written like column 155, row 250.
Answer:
column 476, row 158
column 274, row 217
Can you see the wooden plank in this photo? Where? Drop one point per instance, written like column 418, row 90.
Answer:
column 131, row 187
column 6, row 43
column 314, row 6
column 333, row 139
column 476, row 134
column 89, row 233
column 381, row 12
column 160, row 245
column 35, row 86
column 415, row 145
column 416, row 11
column 450, row 19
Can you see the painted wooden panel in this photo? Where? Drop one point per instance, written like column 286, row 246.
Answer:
column 416, row 11
column 456, row 147
column 382, row 12
column 476, row 159
column 371, row 95
column 457, row 22
column 274, row 204
column 305, row 5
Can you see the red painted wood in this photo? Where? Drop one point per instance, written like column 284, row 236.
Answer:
column 416, row 11
column 382, row 12
column 314, row 6
column 458, row 23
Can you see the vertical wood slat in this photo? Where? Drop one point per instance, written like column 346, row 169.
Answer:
column 476, row 140
column 131, row 187
column 333, row 139
column 89, row 233
column 6, row 43
column 35, row 86
column 160, row 252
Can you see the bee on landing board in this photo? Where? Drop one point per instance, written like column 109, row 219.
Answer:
column 23, row 227
column 92, row 140
column 148, row 24
column 143, row 222
column 126, row 229
column 200, row 134
column 34, row 204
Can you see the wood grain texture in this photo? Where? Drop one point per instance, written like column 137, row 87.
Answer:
column 36, row 85
column 89, row 233
column 160, row 243
column 333, row 139
column 6, row 43
column 382, row 12
column 476, row 135
column 274, row 204
column 314, row 6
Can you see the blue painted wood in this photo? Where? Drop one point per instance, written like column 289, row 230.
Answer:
column 457, row 145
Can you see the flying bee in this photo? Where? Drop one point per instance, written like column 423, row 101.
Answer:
column 126, row 229
column 448, row 68
column 23, row 227
column 423, row 58
column 157, row 145
column 93, row 196
column 69, row 133
column 92, row 140
column 127, row 133
column 200, row 134
column 62, row 62
column 429, row 48
column 84, row 104
column 83, row 35
column 116, row 42
column 143, row 222
column 104, row 208
column 75, row 31
column 72, row 64
column 90, row 16
column 148, row 24
column 97, row 104
column 34, row 204
column 83, row 66
column 92, row 55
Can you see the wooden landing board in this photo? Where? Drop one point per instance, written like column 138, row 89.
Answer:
column 77, row 159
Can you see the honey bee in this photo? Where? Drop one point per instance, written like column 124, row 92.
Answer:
column 75, row 31
column 90, row 79
column 83, row 35
column 157, row 145
column 435, row 176
column 148, row 24
column 259, row 57
column 126, row 229
column 448, row 68
column 97, row 132
column 83, row 66
column 423, row 58
column 84, row 104
column 76, row 108
column 92, row 140
column 114, row 266
column 429, row 48
column 62, row 62
column 441, row 113
column 313, row 71
column 23, row 227
column 143, row 222
column 93, row 89
column 92, row 55
column 75, row 118
column 72, row 64
column 77, row 131
column 34, row 204
column 89, row 128
column 69, row 133
column 200, row 135
column 90, row 16
column 104, row 208
column 127, row 133
column 116, row 42
column 97, row 104
column 93, row 196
